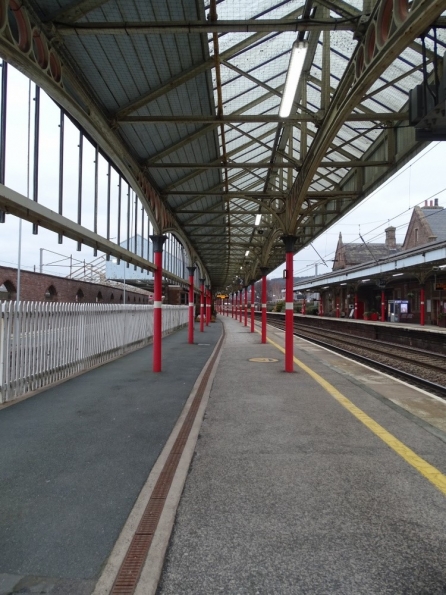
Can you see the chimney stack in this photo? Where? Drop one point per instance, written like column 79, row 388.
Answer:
column 425, row 203
column 436, row 202
column 432, row 203
column 390, row 238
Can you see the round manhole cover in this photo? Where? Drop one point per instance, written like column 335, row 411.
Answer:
column 263, row 360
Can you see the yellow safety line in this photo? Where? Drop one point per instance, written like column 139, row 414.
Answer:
column 436, row 477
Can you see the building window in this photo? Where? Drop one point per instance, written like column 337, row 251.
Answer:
column 99, row 297
column 12, row 291
column 79, row 295
column 416, row 235
column 51, row 294
column 112, row 298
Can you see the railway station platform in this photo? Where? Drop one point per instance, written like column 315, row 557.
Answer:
column 240, row 479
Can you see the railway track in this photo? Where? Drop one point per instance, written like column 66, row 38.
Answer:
column 414, row 366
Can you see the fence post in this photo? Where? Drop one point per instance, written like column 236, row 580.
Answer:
column 2, row 352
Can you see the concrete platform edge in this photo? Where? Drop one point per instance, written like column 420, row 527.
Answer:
column 154, row 563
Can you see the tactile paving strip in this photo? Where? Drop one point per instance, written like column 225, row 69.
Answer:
column 131, row 567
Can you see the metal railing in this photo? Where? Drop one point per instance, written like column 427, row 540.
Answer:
column 42, row 343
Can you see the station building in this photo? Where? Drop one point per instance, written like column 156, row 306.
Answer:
column 389, row 281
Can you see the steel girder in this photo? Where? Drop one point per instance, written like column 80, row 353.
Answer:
column 317, row 197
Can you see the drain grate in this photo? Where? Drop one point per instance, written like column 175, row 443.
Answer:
column 131, row 567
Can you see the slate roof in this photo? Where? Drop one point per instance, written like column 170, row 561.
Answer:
column 436, row 218
column 360, row 253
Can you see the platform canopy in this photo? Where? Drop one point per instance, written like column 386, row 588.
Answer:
column 190, row 92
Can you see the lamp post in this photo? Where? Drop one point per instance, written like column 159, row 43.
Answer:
column 115, row 261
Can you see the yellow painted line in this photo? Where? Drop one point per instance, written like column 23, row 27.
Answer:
column 436, row 477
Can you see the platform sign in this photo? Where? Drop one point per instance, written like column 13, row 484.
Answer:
column 440, row 286
column 222, row 296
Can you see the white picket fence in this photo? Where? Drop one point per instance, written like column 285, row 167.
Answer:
column 42, row 343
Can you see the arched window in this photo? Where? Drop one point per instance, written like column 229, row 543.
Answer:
column 99, row 297
column 10, row 288
column 79, row 296
column 51, row 294
column 120, row 299
column 112, row 298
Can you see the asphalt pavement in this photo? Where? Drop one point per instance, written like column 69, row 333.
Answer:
column 74, row 458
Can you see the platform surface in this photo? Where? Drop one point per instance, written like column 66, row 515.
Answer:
column 74, row 458
column 290, row 492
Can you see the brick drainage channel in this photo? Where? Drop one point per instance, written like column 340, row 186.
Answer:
column 131, row 567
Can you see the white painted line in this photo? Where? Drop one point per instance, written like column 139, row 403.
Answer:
column 420, row 390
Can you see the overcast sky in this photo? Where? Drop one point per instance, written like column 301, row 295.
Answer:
column 422, row 179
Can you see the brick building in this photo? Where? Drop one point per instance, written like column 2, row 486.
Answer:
column 39, row 287
column 348, row 255
column 427, row 225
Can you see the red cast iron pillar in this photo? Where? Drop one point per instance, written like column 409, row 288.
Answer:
column 422, row 310
column 202, row 304
column 208, row 305
column 355, row 313
column 252, row 306
column 289, row 242
column 158, row 242
column 246, row 306
column 383, row 306
column 232, row 304
column 191, row 304
column 264, row 271
column 304, row 307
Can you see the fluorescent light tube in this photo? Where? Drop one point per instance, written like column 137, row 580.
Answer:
column 247, row 253
column 258, row 219
column 298, row 53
